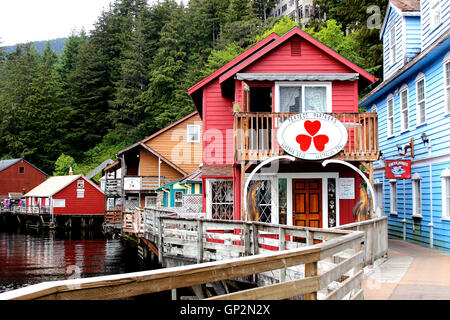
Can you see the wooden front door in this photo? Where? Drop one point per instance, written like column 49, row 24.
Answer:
column 307, row 202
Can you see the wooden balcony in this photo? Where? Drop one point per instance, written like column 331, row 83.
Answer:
column 255, row 136
column 144, row 183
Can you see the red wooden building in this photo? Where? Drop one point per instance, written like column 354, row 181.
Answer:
column 243, row 105
column 72, row 195
column 18, row 176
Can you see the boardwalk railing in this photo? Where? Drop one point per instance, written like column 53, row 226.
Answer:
column 255, row 135
column 375, row 239
column 113, row 216
column 30, row 210
column 346, row 275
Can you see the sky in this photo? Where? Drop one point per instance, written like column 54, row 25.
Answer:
column 35, row 20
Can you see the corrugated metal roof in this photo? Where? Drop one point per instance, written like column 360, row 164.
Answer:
column 52, row 185
column 297, row 76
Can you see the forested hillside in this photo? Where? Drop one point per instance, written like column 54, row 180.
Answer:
column 129, row 77
column 56, row 44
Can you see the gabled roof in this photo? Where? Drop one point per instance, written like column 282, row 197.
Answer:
column 155, row 153
column 169, row 127
column 403, row 8
column 262, row 48
column 4, row 164
column 232, row 63
column 53, row 185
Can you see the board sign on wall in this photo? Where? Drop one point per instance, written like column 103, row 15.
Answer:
column 398, row 169
column 312, row 136
column 346, row 188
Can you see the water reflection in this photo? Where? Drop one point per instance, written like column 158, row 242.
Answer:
column 29, row 257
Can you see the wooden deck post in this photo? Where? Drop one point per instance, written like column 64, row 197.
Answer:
column 160, row 240
column 281, row 247
column 199, row 241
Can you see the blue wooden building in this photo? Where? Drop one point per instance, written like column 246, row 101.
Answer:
column 413, row 107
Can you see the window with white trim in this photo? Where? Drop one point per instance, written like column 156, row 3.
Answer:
column 447, row 84
column 392, row 46
column 417, row 195
column 420, row 99
column 435, row 14
column 178, row 199
column 59, row 203
column 150, row 201
column 390, row 115
column 393, row 196
column 193, row 133
column 404, row 109
column 304, row 96
column 445, row 181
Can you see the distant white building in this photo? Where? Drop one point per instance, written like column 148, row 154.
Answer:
column 288, row 8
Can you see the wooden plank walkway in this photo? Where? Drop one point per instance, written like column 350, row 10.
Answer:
column 227, row 250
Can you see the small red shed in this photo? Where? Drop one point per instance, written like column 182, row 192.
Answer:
column 67, row 195
column 18, row 176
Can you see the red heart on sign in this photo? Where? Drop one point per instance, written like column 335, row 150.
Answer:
column 312, row 127
column 320, row 141
column 304, row 141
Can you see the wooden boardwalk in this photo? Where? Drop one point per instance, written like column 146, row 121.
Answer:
column 287, row 262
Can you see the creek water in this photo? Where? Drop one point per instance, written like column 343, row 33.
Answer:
column 28, row 256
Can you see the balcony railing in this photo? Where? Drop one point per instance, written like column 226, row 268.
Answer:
column 144, row 183
column 112, row 187
column 255, row 136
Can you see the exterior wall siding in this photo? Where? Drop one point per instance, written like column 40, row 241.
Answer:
column 413, row 37
column 92, row 203
column 172, row 145
column 218, row 126
column 434, row 156
column 394, row 19
column 13, row 181
column 148, row 166
column 430, row 35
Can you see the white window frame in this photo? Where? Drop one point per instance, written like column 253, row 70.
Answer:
column 419, row 78
column 435, row 14
column 416, row 181
column 392, row 45
column 59, row 203
column 390, row 117
column 379, row 194
column 446, row 65
column 147, row 201
column 404, row 109
column 393, row 197
column 80, row 183
column 304, row 84
column 197, row 128
column 445, row 177
column 175, row 199
column 80, row 193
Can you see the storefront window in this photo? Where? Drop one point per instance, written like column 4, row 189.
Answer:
column 260, row 201
column 282, row 201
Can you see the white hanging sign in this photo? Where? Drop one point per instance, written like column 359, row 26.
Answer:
column 312, row 136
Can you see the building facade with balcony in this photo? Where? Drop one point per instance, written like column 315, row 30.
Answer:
column 245, row 103
column 162, row 158
column 413, row 107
